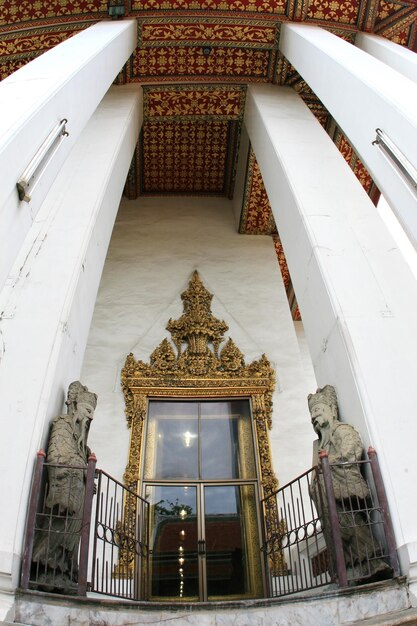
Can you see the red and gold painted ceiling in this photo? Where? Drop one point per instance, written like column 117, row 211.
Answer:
column 191, row 132
column 194, row 58
column 189, row 139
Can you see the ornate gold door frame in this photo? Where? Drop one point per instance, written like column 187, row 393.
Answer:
column 200, row 371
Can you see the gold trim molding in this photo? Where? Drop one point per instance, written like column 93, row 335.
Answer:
column 192, row 365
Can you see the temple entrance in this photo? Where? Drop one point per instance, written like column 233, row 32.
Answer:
column 199, row 454
column 200, row 478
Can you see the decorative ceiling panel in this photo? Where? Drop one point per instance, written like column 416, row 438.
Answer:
column 276, row 7
column 184, row 157
column 403, row 37
column 196, row 169
column 18, row 49
column 241, row 37
column 192, row 31
column 174, row 63
column 390, row 13
column 189, row 140
column 342, row 12
column 188, row 102
column 397, row 21
column 20, row 11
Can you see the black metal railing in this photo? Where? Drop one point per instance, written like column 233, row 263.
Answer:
column 330, row 525
column 120, row 553
column 58, row 527
column 62, row 524
column 297, row 539
column 333, row 526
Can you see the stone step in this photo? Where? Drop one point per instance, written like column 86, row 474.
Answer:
column 396, row 618
column 387, row 601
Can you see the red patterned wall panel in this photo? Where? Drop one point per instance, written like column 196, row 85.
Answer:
column 256, row 217
column 357, row 166
column 289, row 289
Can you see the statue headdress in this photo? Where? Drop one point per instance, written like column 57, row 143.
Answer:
column 77, row 392
column 326, row 395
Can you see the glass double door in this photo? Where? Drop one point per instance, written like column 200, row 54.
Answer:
column 204, row 541
column 200, row 482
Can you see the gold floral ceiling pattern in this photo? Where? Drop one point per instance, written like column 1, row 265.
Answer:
column 189, row 140
column 243, row 35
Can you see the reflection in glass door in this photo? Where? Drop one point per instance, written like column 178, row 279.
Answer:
column 231, row 541
column 174, row 542
column 200, row 480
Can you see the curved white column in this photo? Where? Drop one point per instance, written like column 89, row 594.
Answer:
column 362, row 94
column 392, row 54
column 356, row 293
column 47, row 313
column 68, row 81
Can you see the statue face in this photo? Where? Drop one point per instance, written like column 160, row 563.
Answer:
column 322, row 415
column 85, row 410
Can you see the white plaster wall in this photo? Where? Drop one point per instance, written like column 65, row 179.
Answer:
column 156, row 245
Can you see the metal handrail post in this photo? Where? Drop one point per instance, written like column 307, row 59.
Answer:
column 386, row 516
column 30, row 524
column 334, row 519
column 147, row 585
column 86, row 524
column 93, row 567
column 264, row 550
column 137, row 553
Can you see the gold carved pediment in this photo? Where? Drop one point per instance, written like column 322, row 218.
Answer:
column 194, row 357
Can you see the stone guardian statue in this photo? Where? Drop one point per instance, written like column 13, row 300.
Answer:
column 344, row 446
column 55, row 551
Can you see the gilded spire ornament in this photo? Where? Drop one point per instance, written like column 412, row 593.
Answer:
column 197, row 336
